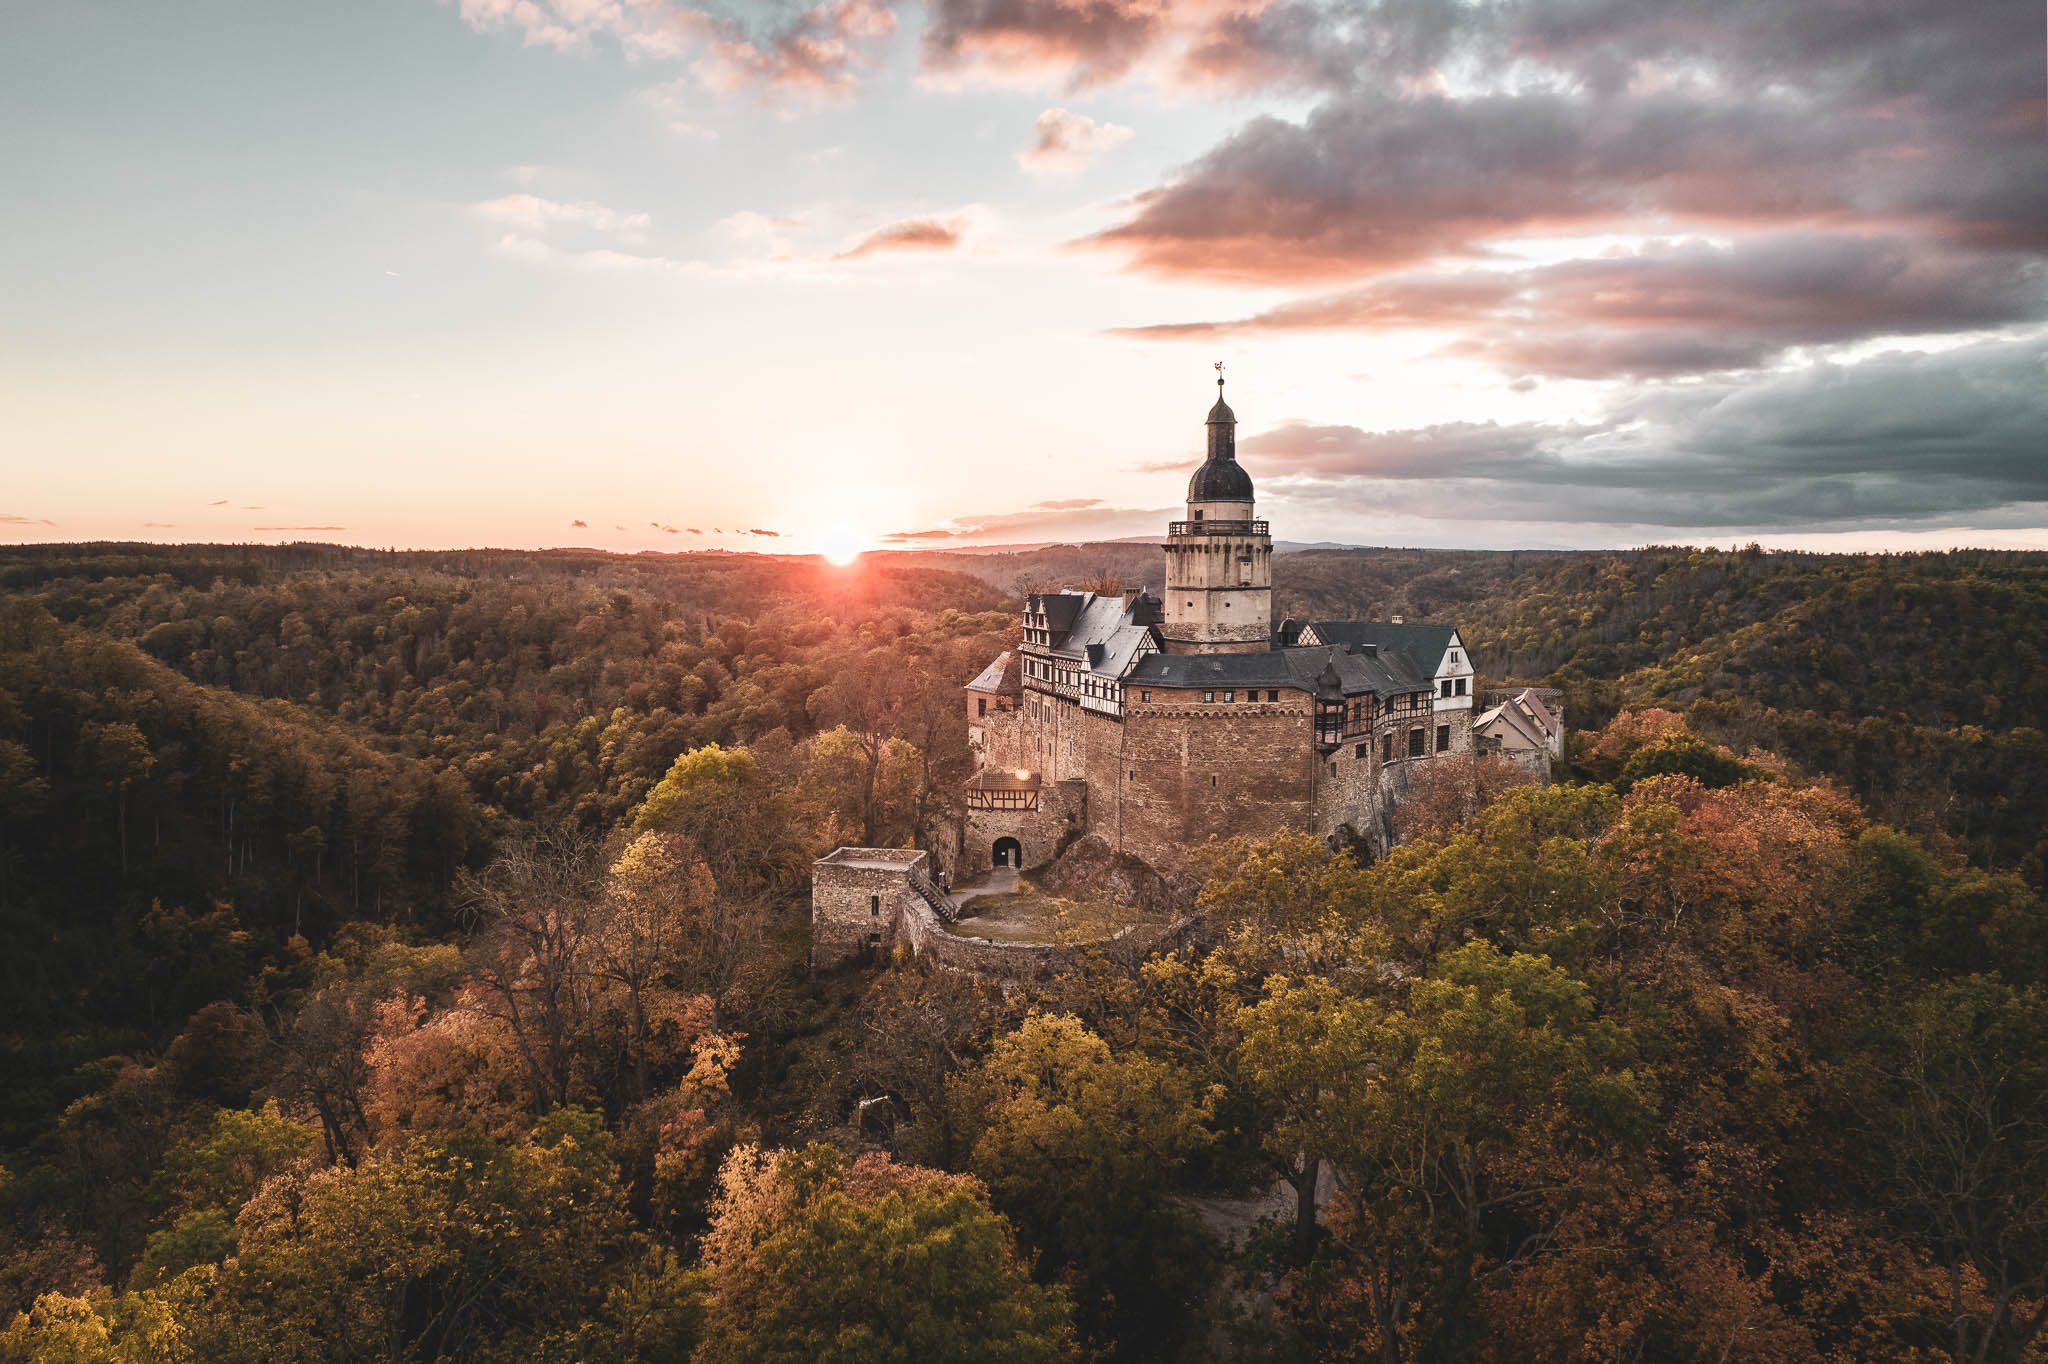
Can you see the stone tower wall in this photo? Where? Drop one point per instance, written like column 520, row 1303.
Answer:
column 1219, row 593
column 857, row 898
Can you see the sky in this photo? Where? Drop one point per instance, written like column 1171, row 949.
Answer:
column 652, row 275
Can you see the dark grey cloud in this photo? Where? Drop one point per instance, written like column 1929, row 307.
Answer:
column 1679, row 307
column 1892, row 440
column 1286, row 44
column 1914, row 115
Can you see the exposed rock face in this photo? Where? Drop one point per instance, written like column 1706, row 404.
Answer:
column 1089, row 870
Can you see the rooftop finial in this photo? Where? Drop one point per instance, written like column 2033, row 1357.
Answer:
column 1219, row 378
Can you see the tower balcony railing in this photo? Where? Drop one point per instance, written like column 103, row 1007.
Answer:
column 1217, row 528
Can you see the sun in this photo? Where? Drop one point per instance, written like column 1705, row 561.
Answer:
column 841, row 546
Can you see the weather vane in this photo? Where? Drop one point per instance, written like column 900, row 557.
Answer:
column 1219, row 374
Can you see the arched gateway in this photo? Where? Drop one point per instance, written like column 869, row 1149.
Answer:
column 1008, row 852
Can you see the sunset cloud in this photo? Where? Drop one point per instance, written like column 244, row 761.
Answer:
column 1089, row 522
column 1065, row 142
column 11, row 520
column 911, row 234
column 1679, row 307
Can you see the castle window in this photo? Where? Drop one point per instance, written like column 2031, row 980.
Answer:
column 1208, row 696
column 1456, row 662
column 1212, row 779
column 1416, row 742
column 1358, row 751
column 1445, row 689
column 875, row 906
column 1386, row 748
column 1144, row 696
column 1461, row 687
column 1198, row 513
column 981, row 705
column 1230, row 696
column 1333, row 769
column 1443, row 738
column 1272, row 696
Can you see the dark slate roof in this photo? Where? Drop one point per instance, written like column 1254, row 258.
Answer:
column 1101, row 632
column 1327, row 672
column 1220, row 480
column 1003, row 674
column 1423, row 644
column 1061, row 607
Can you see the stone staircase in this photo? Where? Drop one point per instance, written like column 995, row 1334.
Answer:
column 929, row 893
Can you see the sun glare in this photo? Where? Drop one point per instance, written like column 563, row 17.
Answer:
column 841, row 547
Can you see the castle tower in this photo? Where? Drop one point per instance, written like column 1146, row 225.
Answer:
column 1219, row 561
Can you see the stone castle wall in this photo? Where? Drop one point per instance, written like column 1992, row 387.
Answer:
column 997, row 738
column 1189, row 771
column 863, row 904
column 858, row 896
column 1062, row 810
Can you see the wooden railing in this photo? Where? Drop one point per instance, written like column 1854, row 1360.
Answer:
column 929, row 893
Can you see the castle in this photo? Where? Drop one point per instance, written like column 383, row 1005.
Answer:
column 1159, row 722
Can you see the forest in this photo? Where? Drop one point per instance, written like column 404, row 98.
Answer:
column 403, row 956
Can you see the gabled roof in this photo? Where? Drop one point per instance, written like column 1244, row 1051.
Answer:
column 1004, row 674
column 1424, row 644
column 1101, row 632
column 1060, row 608
column 1529, row 701
column 1515, row 720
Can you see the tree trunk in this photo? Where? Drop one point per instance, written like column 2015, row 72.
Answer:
column 1305, row 1181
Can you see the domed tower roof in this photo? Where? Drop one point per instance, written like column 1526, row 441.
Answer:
column 1221, row 478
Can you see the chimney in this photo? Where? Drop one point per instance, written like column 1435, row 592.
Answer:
column 1397, row 620
column 1131, row 594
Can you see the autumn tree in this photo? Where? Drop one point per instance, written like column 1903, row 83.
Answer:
column 865, row 793
column 812, row 1259
column 741, row 824
column 120, row 754
column 204, row 1181
column 1960, row 1109
column 1463, row 1117
column 1080, row 1147
column 864, row 703
column 451, row 1248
